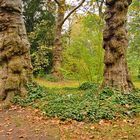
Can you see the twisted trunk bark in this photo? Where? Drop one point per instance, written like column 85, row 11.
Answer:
column 116, row 72
column 15, row 63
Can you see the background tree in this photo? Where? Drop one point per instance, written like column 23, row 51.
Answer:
column 83, row 57
column 39, row 18
column 57, row 49
column 15, row 64
column 33, row 13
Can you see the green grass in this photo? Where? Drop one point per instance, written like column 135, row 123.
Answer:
column 59, row 84
column 63, row 84
column 82, row 105
column 137, row 84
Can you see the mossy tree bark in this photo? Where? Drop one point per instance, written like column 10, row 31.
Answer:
column 115, row 44
column 15, row 63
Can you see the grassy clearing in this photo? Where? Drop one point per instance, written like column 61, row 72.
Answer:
column 63, row 84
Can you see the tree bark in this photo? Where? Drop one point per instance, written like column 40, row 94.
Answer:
column 15, row 62
column 115, row 44
column 57, row 49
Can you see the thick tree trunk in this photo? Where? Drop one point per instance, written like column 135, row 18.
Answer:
column 15, row 63
column 115, row 45
column 57, row 48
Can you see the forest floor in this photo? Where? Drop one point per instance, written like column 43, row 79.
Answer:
column 29, row 124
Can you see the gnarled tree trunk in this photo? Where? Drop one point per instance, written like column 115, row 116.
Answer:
column 15, row 63
column 116, row 72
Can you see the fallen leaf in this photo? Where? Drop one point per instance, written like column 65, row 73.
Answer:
column 22, row 136
column 92, row 127
column 10, row 130
column 8, row 133
column 101, row 122
column 1, row 131
column 125, row 120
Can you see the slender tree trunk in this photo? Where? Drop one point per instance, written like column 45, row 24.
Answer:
column 139, row 72
column 15, row 63
column 100, row 8
column 116, row 72
column 57, row 49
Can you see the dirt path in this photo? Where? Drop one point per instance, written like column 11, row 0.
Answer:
column 18, row 123
column 27, row 124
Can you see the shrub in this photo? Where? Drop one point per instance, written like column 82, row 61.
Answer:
column 34, row 92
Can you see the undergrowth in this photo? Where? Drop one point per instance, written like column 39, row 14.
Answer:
column 82, row 104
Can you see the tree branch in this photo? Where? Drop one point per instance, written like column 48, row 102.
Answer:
column 100, row 6
column 97, row 3
column 102, row 3
column 72, row 12
column 57, row 2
